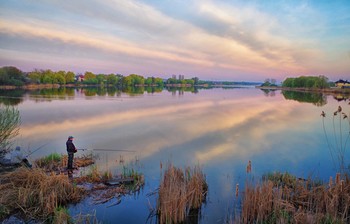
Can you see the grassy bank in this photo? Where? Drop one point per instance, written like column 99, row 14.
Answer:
column 41, row 194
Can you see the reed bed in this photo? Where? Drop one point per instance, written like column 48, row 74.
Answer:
column 35, row 193
column 298, row 201
column 180, row 192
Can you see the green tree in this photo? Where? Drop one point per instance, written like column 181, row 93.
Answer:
column 112, row 79
column 90, row 78
column 132, row 80
column 9, row 127
column 171, row 81
column 58, row 77
column 158, row 81
column 70, row 77
column 149, row 81
column 47, row 77
column 34, row 76
column 189, row 82
column 10, row 75
column 306, row 82
column 101, row 79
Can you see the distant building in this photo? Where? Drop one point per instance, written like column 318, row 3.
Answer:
column 181, row 77
column 342, row 84
column 80, row 78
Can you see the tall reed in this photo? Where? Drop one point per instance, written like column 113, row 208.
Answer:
column 180, row 192
column 340, row 136
column 299, row 201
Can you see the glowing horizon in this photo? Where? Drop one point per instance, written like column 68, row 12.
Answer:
column 213, row 40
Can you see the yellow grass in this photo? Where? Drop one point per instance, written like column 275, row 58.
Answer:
column 35, row 193
column 59, row 162
column 302, row 202
column 180, row 191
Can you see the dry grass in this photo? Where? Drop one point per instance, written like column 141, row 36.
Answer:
column 94, row 176
column 180, row 191
column 35, row 193
column 57, row 162
column 299, row 201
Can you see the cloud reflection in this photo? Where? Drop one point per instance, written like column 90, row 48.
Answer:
column 208, row 130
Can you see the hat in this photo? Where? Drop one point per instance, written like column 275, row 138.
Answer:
column 70, row 137
column 18, row 148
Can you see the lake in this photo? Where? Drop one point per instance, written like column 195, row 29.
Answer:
column 218, row 129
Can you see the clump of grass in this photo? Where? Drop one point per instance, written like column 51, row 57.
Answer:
column 86, row 219
column 81, row 161
column 296, row 201
column 35, row 193
column 94, row 176
column 51, row 160
column 180, row 192
column 61, row 215
column 58, row 162
column 132, row 173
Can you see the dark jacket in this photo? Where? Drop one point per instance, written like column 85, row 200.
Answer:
column 70, row 146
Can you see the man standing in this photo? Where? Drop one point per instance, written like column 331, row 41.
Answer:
column 71, row 150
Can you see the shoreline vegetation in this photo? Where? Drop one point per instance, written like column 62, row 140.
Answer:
column 12, row 78
column 40, row 195
column 43, row 192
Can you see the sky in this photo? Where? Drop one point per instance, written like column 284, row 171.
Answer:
column 234, row 40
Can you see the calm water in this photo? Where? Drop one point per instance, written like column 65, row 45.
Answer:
column 219, row 129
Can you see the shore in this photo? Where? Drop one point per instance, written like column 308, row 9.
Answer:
column 326, row 90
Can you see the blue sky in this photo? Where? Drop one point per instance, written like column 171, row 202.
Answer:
column 215, row 40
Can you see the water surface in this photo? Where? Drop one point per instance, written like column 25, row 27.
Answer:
column 218, row 129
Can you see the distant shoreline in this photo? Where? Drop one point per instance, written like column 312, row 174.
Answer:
column 319, row 90
column 52, row 86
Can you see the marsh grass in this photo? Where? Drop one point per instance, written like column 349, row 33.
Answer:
column 180, row 192
column 61, row 215
column 86, row 219
column 36, row 194
column 58, row 162
column 286, row 199
column 94, row 175
column 51, row 160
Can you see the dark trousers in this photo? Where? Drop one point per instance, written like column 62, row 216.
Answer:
column 70, row 160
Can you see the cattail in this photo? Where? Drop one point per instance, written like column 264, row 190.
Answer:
column 339, row 109
column 341, row 185
column 161, row 165
column 330, row 182
column 344, row 115
column 337, row 179
column 323, row 114
column 249, row 167
column 237, row 190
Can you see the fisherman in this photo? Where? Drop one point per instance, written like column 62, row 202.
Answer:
column 71, row 150
column 15, row 157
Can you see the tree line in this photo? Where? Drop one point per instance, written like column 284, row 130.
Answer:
column 320, row 82
column 10, row 75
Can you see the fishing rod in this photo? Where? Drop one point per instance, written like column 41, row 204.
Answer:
column 116, row 150
column 37, row 149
